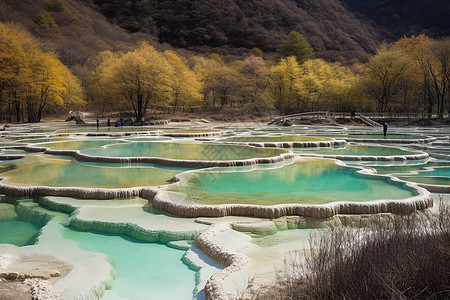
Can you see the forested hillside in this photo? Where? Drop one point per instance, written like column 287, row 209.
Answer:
column 234, row 26
column 68, row 27
column 404, row 17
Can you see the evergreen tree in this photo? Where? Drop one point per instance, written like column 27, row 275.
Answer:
column 295, row 45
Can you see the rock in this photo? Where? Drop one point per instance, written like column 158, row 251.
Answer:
column 12, row 275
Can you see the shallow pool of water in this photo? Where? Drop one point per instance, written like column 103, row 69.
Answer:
column 427, row 179
column 409, row 168
column 17, row 232
column 381, row 136
column 307, row 182
column 78, row 145
column 42, row 170
column 184, row 151
column 358, row 150
column 274, row 139
column 144, row 270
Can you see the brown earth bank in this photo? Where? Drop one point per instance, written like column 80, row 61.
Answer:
column 14, row 290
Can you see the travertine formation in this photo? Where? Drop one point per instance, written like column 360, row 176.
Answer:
column 421, row 156
column 308, row 144
column 232, row 261
column 164, row 161
column 425, row 140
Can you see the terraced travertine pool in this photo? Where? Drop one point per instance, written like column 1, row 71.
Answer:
column 275, row 139
column 312, row 181
column 18, row 232
column 359, row 150
column 152, row 270
column 184, row 151
column 62, row 171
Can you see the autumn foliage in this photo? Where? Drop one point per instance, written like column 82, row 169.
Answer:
column 32, row 80
column 409, row 76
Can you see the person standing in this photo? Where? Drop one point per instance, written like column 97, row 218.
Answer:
column 98, row 124
column 385, row 126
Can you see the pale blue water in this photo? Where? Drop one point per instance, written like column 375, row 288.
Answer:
column 358, row 150
column 19, row 233
column 184, row 151
column 144, row 270
column 308, row 182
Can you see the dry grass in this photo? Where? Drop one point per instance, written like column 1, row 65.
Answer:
column 408, row 258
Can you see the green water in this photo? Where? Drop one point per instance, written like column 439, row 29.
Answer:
column 39, row 170
column 144, row 270
column 189, row 131
column 45, row 140
column 275, row 139
column 381, row 137
column 411, row 168
column 19, row 233
column 356, row 150
column 104, row 129
column 185, row 151
column 427, row 179
column 307, row 182
column 78, row 145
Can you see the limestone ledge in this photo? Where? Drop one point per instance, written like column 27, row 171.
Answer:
column 128, row 228
column 12, row 156
column 163, row 161
column 308, row 144
column 76, row 192
column 192, row 134
column 404, row 206
column 126, row 133
column 232, row 261
column 421, row 156
column 434, row 188
column 426, row 140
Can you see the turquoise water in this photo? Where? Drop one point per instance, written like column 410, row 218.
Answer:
column 275, row 139
column 19, row 233
column 411, row 168
column 144, row 270
column 427, row 179
column 381, row 136
column 41, row 170
column 308, row 182
column 357, row 150
column 78, row 145
column 184, row 151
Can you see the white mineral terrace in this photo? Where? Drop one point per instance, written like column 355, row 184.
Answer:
column 233, row 249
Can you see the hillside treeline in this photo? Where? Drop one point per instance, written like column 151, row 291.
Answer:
column 233, row 26
column 410, row 75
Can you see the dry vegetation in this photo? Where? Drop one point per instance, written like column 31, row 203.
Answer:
column 407, row 258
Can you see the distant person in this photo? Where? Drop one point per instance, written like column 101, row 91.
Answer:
column 122, row 122
column 117, row 124
column 385, row 126
column 132, row 121
column 142, row 121
column 98, row 124
column 108, row 124
column 353, row 113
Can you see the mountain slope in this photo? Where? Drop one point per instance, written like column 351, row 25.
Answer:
column 68, row 27
column 405, row 17
column 232, row 26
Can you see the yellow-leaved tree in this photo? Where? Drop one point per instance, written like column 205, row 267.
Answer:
column 285, row 84
column 31, row 79
column 133, row 81
column 186, row 88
